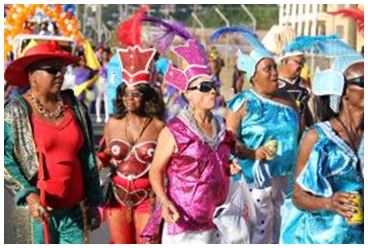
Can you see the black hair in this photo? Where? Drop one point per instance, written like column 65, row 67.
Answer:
column 152, row 104
column 322, row 109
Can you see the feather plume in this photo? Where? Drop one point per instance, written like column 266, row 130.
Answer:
column 248, row 34
column 168, row 32
column 129, row 31
column 356, row 14
column 329, row 46
column 306, row 43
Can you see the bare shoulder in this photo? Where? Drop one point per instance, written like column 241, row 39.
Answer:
column 166, row 136
column 112, row 123
column 309, row 138
column 158, row 124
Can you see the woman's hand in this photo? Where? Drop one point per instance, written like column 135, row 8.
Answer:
column 93, row 218
column 256, row 154
column 102, row 160
column 234, row 167
column 343, row 204
column 36, row 209
column 99, row 164
column 169, row 212
column 262, row 153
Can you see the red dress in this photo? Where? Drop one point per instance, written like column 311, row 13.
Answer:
column 58, row 146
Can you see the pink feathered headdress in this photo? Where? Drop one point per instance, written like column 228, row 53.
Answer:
column 196, row 60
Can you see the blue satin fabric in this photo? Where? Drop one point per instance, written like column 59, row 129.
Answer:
column 331, row 167
column 266, row 120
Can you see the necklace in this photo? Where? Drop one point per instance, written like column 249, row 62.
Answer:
column 146, row 122
column 351, row 140
column 59, row 112
column 210, row 140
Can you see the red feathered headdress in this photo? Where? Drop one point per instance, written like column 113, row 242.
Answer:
column 356, row 14
column 135, row 61
column 129, row 31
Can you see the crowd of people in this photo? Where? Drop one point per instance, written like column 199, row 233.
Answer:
column 173, row 146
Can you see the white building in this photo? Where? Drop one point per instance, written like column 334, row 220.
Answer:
column 312, row 19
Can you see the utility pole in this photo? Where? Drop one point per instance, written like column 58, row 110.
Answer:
column 85, row 9
column 251, row 16
column 99, row 22
column 121, row 12
column 195, row 17
column 223, row 17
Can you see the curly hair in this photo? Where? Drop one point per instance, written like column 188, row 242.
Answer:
column 152, row 104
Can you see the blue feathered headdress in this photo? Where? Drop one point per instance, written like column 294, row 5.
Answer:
column 331, row 82
column 329, row 46
column 245, row 62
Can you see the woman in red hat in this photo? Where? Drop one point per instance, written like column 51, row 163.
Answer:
column 48, row 154
column 130, row 137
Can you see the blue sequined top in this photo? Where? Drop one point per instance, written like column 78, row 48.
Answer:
column 332, row 167
column 266, row 120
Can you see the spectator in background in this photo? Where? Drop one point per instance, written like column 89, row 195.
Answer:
column 101, row 85
column 290, row 81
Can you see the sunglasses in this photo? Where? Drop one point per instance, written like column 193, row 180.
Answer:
column 205, row 87
column 52, row 69
column 134, row 94
column 358, row 81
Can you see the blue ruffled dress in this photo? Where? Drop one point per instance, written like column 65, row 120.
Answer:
column 331, row 167
column 266, row 120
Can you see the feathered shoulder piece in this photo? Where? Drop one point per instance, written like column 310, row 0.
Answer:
column 354, row 13
column 129, row 31
column 167, row 32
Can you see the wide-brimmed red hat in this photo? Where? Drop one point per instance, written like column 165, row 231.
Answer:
column 16, row 74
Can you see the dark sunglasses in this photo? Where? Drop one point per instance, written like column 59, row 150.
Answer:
column 51, row 69
column 132, row 94
column 205, row 87
column 358, row 81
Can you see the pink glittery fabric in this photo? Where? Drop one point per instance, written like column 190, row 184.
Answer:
column 197, row 178
column 197, row 65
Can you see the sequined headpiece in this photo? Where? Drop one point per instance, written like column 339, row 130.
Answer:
column 196, row 65
column 135, row 61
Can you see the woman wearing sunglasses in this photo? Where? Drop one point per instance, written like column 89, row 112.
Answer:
column 48, row 153
column 130, row 141
column 193, row 153
column 267, row 125
column 325, row 204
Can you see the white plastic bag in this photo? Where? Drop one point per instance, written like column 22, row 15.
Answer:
column 234, row 216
